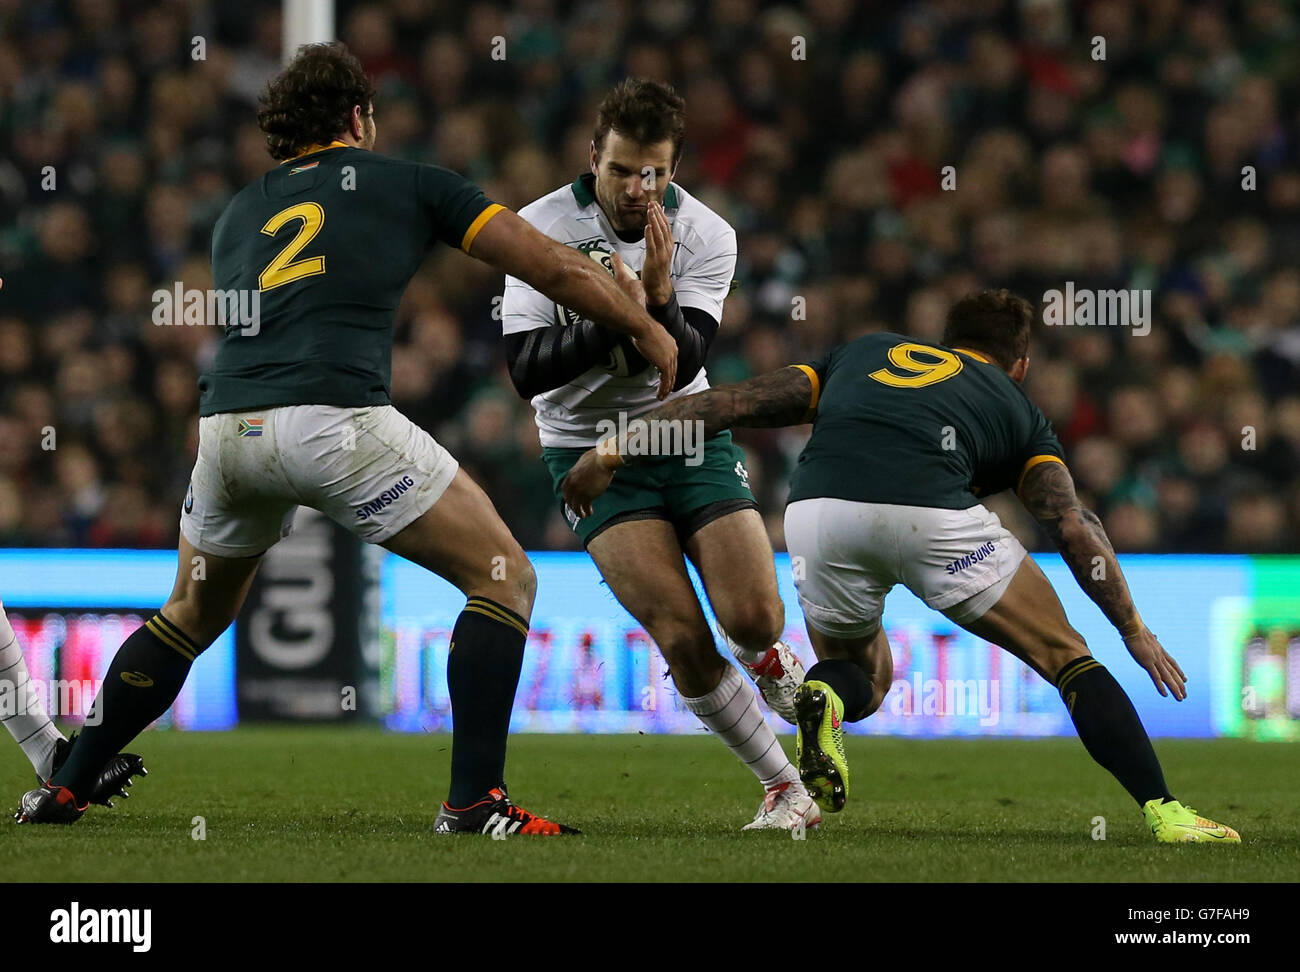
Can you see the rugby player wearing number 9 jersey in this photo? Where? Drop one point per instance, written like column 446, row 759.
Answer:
column 295, row 410
column 906, row 436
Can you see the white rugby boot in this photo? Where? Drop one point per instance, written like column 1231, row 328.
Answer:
column 786, row 806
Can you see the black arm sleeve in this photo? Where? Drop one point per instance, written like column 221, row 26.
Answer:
column 548, row 357
column 693, row 330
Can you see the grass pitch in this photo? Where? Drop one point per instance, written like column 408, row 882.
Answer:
column 329, row 804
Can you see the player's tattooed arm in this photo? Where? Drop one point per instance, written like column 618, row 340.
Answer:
column 1048, row 493
column 778, row 398
column 781, row 397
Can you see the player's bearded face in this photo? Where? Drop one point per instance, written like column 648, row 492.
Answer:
column 629, row 176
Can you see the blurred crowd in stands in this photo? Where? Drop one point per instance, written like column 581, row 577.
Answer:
column 1149, row 145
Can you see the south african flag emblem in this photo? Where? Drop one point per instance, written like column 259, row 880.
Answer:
column 250, row 427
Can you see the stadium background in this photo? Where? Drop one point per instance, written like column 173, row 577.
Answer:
column 1126, row 172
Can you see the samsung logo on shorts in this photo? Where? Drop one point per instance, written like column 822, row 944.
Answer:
column 974, row 557
column 386, row 498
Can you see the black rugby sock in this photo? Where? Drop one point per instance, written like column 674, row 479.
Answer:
column 487, row 653
column 142, row 682
column 1110, row 729
column 850, row 683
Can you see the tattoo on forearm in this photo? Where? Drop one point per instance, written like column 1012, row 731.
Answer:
column 1048, row 494
column 768, row 401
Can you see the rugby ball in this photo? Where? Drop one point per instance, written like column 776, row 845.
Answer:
column 624, row 360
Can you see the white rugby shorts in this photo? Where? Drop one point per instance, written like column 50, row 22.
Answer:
column 958, row 562
column 371, row 469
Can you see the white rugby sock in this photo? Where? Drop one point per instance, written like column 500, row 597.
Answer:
column 731, row 713
column 22, row 711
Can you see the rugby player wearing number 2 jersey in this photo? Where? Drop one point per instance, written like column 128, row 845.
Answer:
column 295, row 411
column 906, row 436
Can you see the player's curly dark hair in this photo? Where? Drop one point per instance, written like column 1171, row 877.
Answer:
column 645, row 111
column 311, row 100
column 993, row 321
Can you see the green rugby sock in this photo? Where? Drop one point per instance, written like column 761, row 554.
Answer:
column 1110, row 729
column 487, row 653
column 142, row 682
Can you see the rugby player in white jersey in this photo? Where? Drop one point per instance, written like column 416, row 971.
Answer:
column 628, row 215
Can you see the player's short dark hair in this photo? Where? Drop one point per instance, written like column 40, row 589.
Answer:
column 311, row 100
column 995, row 322
column 645, row 111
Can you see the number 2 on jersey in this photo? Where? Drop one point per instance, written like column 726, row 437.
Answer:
column 919, row 373
column 281, row 271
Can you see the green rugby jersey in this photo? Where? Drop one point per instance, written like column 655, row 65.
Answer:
column 915, row 423
column 328, row 241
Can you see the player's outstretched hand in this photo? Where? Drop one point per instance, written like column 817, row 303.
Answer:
column 589, row 477
column 657, row 345
column 1159, row 664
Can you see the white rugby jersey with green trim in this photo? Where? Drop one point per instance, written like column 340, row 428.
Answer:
column 703, row 265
